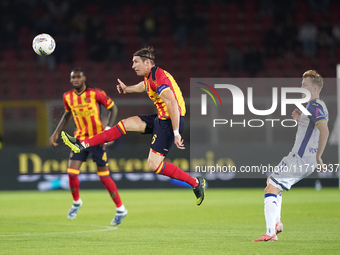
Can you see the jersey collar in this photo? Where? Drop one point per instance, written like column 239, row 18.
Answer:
column 81, row 92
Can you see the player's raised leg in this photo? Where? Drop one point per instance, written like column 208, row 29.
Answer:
column 132, row 124
column 156, row 163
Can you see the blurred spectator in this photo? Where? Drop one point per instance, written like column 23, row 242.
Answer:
column 58, row 8
column 253, row 61
column 181, row 26
column 8, row 34
column 63, row 52
column 44, row 22
column 325, row 27
column 115, row 50
column 198, row 29
column 78, row 25
column 289, row 32
column 6, row 7
column 23, row 10
column 266, row 7
column 318, row 5
column 308, row 36
column 274, row 41
column 234, row 59
column 282, row 8
column 276, row 8
column 48, row 61
column 336, row 33
column 325, row 40
column 95, row 38
column 148, row 28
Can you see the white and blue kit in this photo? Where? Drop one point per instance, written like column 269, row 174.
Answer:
column 301, row 161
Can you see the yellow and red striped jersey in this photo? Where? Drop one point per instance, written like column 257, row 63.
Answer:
column 85, row 108
column 158, row 81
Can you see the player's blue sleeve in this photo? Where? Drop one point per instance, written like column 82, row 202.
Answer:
column 162, row 88
column 317, row 113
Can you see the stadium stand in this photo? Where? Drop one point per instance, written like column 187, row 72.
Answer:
column 191, row 38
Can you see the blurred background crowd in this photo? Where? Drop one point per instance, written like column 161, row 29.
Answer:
column 201, row 38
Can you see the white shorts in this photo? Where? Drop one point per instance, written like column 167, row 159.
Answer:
column 291, row 169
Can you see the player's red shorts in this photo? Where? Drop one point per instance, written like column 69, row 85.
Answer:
column 162, row 132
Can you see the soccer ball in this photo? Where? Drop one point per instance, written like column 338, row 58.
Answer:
column 43, row 44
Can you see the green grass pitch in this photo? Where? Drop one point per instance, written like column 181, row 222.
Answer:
column 168, row 222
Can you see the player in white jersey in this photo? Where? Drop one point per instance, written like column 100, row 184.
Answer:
column 310, row 142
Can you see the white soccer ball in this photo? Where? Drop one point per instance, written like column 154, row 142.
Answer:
column 43, row 44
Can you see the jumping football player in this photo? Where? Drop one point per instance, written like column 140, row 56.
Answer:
column 165, row 126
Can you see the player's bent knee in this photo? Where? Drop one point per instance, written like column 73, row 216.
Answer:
column 271, row 189
column 153, row 164
column 134, row 124
column 266, row 189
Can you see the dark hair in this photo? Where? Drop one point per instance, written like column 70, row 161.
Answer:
column 78, row 69
column 146, row 53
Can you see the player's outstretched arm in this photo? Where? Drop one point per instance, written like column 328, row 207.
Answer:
column 323, row 137
column 123, row 89
column 62, row 123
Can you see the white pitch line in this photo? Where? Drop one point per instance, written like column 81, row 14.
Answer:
column 105, row 228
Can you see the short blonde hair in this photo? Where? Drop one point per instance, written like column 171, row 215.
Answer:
column 315, row 77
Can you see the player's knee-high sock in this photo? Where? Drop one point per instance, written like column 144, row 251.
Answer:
column 111, row 187
column 278, row 210
column 173, row 171
column 74, row 182
column 270, row 208
column 107, row 136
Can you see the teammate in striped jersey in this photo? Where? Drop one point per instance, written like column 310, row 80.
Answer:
column 83, row 104
column 165, row 126
column 310, row 142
